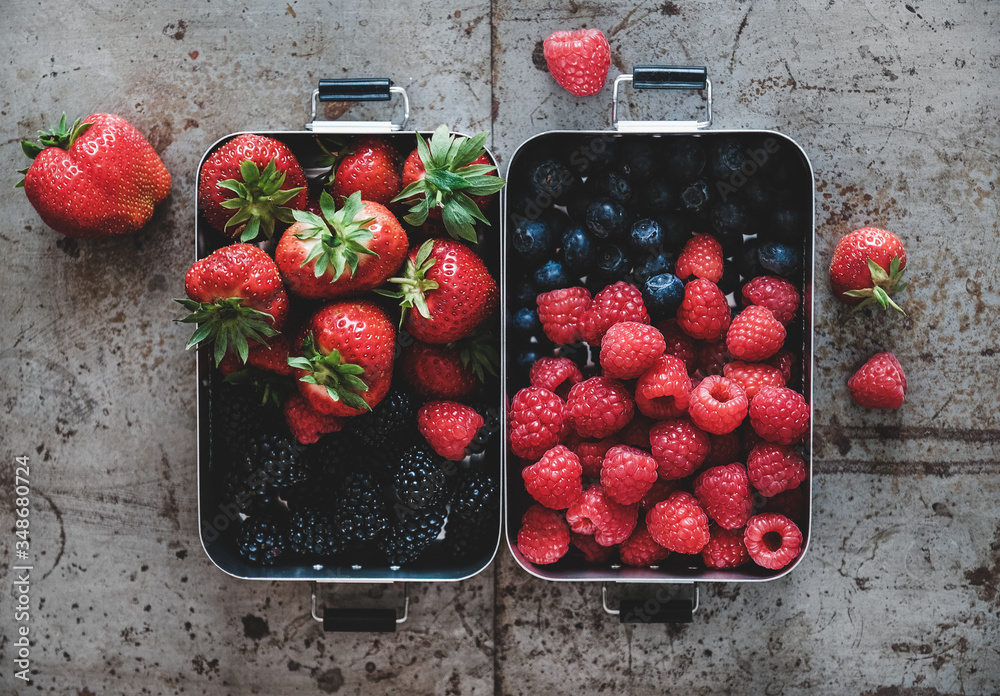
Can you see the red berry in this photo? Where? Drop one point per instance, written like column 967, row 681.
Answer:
column 755, row 334
column 775, row 468
column 879, row 383
column 712, row 357
column 544, row 536
column 704, row 312
column 636, row 433
column 718, row 405
column 724, row 492
column 560, row 311
column 679, row 446
column 779, row 414
column 660, row 490
column 555, row 479
column 640, row 550
column 777, row 294
column 596, row 513
column 618, row 302
column 663, row 390
column 537, row 422
column 792, row 503
column 679, row 523
column 785, row 361
column 448, row 427
column 598, row 407
column 724, row 449
column 773, row 541
column 306, row 423
column 591, row 454
column 591, row 550
column 752, row 376
column 629, row 348
column 578, row 60
column 627, row 474
column 701, row 258
column 555, row 374
column 679, row 344
column 725, row 549
column 867, row 266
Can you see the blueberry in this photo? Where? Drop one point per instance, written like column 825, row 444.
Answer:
column 684, row 159
column 551, row 181
column 728, row 217
column 657, row 195
column 526, row 358
column 696, row 196
column 726, row 156
column 579, row 250
column 533, row 240
column 646, row 235
column 524, row 293
column 525, row 321
column 732, row 243
column 613, row 263
column 676, row 231
column 551, row 275
column 606, row 218
column 577, row 206
column 653, row 265
column 780, row 259
column 637, row 159
column 786, row 225
column 662, row 295
column 610, row 184
column 757, row 193
column 748, row 262
column 557, row 220
column 593, row 154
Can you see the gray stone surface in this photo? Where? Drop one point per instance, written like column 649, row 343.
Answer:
column 900, row 592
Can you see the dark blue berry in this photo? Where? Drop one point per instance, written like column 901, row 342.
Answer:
column 579, row 250
column 662, row 295
column 551, row 275
column 646, row 235
column 676, row 231
column 726, row 156
column 637, row 159
column 748, row 262
column 658, row 195
column 730, row 280
column 786, row 225
column 606, row 219
column 757, row 193
column 557, row 220
column 696, row 196
column 525, row 321
column 684, row 159
column 524, row 293
column 533, row 240
column 610, row 184
column 728, row 217
column 613, row 263
column 653, row 265
column 780, row 259
column 551, row 181
column 592, row 154
column 526, row 358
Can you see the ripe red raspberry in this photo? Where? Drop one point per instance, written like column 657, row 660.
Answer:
column 306, row 423
column 879, row 383
column 640, row 550
column 724, row 492
column 679, row 344
column 775, row 468
column 629, row 348
column 537, row 422
column 591, row 454
column 591, row 550
column 660, row 490
column 627, row 474
column 560, row 311
column 701, row 257
column 555, row 480
column 555, row 374
column 636, row 433
column 578, row 60
column 679, row 523
column 618, row 302
column 779, row 414
column 773, row 541
column 725, row 549
column 704, row 312
column 598, row 407
column 718, row 405
column 448, row 427
column 777, row 294
column 753, row 376
column 544, row 535
column 785, row 361
column 679, row 447
column 663, row 390
column 712, row 357
column 724, row 449
column 755, row 334
column 596, row 513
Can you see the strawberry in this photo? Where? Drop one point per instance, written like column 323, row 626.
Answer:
column 449, row 177
column 235, row 294
column 261, row 197
column 94, row 179
column 450, row 289
column 342, row 253
column 578, row 60
column 867, row 267
column 345, row 357
column 448, row 427
column 307, row 424
column 450, row 371
column 879, row 383
column 369, row 166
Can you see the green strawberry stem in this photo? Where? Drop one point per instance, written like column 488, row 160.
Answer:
column 414, row 283
column 227, row 324
column 884, row 283
column 450, row 179
column 340, row 379
column 259, row 200
column 61, row 136
column 479, row 353
column 338, row 243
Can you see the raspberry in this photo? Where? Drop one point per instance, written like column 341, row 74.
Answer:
column 544, row 536
column 660, row 490
column 725, row 549
column 598, row 407
column 785, row 361
column 724, row 492
column 679, row 447
column 618, row 302
column 718, row 405
column 640, row 550
column 880, row 383
column 591, row 550
column 537, row 422
column 701, row 258
column 755, row 334
column 712, row 357
column 779, row 414
column 596, row 513
column 306, row 423
column 752, row 376
column 560, row 311
column 555, row 374
column 777, row 294
column 627, row 474
column 679, row 344
column 578, row 60
column 704, row 312
column 449, row 427
column 629, row 348
column 775, row 468
column 592, row 453
column 773, row 541
column 663, row 390
column 555, row 479
column 724, row 449
column 679, row 523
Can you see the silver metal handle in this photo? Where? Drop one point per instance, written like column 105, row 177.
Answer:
column 360, row 126
column 656, row 126
column 360, row 620
column 663, row 606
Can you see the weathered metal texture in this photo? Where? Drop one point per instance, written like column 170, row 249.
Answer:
column 900, row 592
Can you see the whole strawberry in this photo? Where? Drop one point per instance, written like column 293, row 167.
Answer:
column 449, row 371
column 448, row 427
column 578, row 60
column 257, row 177
column 344, row 252
column 370, row 166
column 93, row 179
column 867, row 267
column 235, row 295
column 879, row 383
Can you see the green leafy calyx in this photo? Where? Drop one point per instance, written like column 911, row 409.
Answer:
column 884, row 284
column 259, row 200
column 336, row 242
column 227, row 324
column 413, row 285
column 341, row 379
column 61, row 135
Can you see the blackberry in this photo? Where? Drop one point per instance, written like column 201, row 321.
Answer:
column 279, row 456
column 410, row 533
column 312, row 533
column 262, row 540
column 475, row 514
column 476, row 493
column 237, row 415
column 391, row 420
column 489, row 428
column 361, row 512
column 251, row 493
column 419, row 478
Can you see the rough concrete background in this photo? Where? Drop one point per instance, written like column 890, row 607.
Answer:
column 896, row 106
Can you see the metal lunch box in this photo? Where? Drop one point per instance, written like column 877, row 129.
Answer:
column 675, row 597
column 217, row 520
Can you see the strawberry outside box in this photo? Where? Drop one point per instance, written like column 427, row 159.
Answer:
column 752, row 189
column 220, row 519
